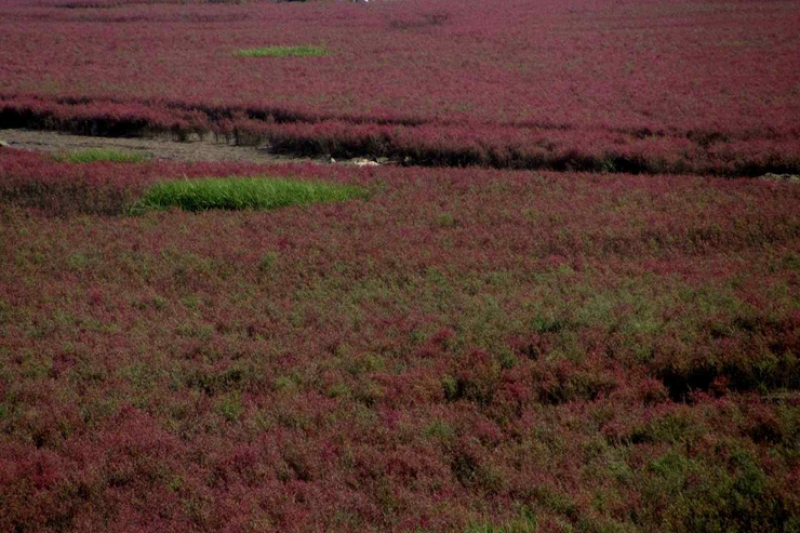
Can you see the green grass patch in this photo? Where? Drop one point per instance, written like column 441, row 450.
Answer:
column 282, row 51
column 101, row 154
column 235, row 193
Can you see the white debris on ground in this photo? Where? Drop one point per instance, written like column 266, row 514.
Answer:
column 4, row 144
column 365, row 163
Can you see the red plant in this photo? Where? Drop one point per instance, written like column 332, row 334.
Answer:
column 466, row 348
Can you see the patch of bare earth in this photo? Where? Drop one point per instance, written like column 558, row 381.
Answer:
column 163, row 147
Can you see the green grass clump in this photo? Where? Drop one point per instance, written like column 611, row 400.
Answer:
column 234, row 193
column 101, row 154
column 282, row 51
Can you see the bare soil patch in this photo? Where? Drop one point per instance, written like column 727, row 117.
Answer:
column 163, row 147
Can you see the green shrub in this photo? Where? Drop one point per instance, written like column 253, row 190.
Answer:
column 235, row 193
column 697, row 495
column 101, row 154
column 282, row 51
column 230, row 407
column 267, row 262
column 525, row 522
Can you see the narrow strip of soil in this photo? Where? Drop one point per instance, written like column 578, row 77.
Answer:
column 162, row 147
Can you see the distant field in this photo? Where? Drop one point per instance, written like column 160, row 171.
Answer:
column 462, row 350
column 657, row 86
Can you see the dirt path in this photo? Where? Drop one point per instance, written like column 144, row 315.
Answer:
column 160, row 147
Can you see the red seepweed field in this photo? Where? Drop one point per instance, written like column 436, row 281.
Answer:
column 593, row 327
column 632, row 86
column 464, row 350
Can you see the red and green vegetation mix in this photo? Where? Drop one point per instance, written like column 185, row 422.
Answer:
column 431, row 350
column 700, row 86
column 462, row 350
